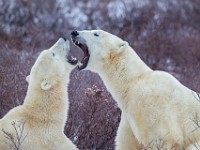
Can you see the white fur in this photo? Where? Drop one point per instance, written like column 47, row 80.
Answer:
column 45, row 107
column 155, row 106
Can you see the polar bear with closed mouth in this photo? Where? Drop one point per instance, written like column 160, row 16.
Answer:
column 157, row 110
column 40, row 121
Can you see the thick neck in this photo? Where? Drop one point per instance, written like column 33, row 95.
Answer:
column 48, row 107
column 119, row 70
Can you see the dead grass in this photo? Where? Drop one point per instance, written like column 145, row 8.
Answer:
column 14, row 141
column 170, row 43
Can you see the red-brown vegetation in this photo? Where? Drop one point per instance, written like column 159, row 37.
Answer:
column 165, row 34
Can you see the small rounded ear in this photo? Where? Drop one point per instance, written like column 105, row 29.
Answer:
column 123, row 46
column 46, row 84
column 27, row 78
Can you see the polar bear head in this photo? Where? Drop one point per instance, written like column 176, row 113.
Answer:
column 96, row 45
column 51, row 67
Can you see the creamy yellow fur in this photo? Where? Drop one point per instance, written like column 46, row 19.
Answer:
column 45, row 108
column 156, row 107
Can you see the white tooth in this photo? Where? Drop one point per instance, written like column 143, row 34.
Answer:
column 78, row 42
column 73, row 58
column 80, row 64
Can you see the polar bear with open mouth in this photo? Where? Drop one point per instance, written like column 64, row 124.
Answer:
column 39, row 123
column 157, row 110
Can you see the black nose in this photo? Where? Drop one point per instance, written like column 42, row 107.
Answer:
column 64, row 39
column 74, row 33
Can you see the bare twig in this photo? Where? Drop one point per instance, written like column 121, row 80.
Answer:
column 196, row 122
column 157, row 144
column 196, row 96
column 15, row 140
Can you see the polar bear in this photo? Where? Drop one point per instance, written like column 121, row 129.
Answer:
column 158, row 112
column 39, row 123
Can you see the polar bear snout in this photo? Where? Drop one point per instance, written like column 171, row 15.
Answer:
column 74, row 33
column 61, row 48
column 62, row 42
column 80, row 42
column 64, row 39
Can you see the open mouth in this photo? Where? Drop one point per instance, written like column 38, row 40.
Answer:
column 83, row 63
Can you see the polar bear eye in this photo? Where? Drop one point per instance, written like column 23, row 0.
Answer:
column 95, row 34
column 53, row 54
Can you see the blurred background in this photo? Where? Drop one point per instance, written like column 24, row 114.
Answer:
column 165, row 34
